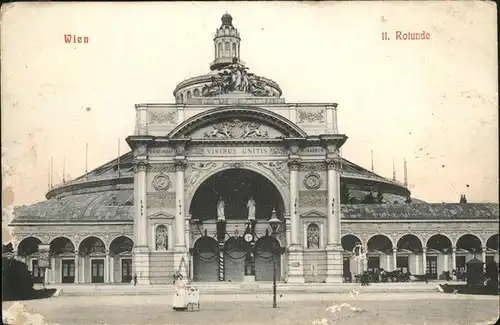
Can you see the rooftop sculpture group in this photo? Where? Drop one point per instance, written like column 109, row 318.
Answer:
column 235, row 77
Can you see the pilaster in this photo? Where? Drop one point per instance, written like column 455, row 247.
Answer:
column 394, row 258
column 141, row 264
column 180, row 221
column 293, row 164
column 77, row 267
column 424, row 259
column 295, row 264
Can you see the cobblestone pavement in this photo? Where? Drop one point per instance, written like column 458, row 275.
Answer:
column 366, row 308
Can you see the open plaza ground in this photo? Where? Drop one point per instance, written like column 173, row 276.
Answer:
column 251, row 309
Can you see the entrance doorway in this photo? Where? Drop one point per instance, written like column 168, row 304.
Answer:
column 241, row 191
column 37, row 272
column 68, row 271
column 431, row 267
column 97, row 271
column 347, row 268
column 126, row 270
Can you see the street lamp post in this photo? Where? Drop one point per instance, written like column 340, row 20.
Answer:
column 274, row 223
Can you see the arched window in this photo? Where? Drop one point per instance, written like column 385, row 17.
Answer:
column 227, row 49
column 196, row 93
column 233, row 53
column 313, row 236
column 181, row 98
column 188, row 95
column 219, row 50
column 161, row 238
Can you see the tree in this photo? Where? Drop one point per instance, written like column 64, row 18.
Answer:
column 345, row 196
column 17, row 281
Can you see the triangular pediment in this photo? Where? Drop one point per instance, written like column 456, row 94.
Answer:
column 66, row 254
column 313, row 214
column 162, row 215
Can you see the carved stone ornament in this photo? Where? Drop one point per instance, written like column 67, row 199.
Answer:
column 236, row 164
column 294, row 149
column 277, row 169
column 165, row 200
column 311, row 116
column 312, row 181
column 195, row 170
column 161, row 182
column 162, row 117
column 140, row 166
column 316, row 166
column 236, row 129
column 334, row 163
column 313, row 198
column 180, row 165
column 294, row 164
column 161, row 168
column 180, row 149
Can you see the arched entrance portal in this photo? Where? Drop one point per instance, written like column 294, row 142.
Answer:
column 236, row 187
column 233, row 258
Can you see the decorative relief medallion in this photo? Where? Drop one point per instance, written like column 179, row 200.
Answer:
column 194, row 171
column 278, row 170
column 164, row 200
column 317, row 166
column 236, row 129
column 161, row 182
column 162, row 117
column 311, row 116
column 312, row 181
column 313, row 198
column 161, row 168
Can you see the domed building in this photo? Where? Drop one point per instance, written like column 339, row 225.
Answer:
column 233, row 183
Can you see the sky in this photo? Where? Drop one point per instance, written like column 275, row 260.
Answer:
column 433, row 102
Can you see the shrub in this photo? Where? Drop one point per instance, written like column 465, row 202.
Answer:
column 17, row 281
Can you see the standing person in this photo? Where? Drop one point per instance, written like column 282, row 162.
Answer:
column 180, row 296
column 135, row 279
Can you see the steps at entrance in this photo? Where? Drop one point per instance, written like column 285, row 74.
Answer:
column 241, row 288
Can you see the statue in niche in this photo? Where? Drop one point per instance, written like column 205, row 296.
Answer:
column 220, row 210
column 161, row 238
column 313, row 236
column 251, row 209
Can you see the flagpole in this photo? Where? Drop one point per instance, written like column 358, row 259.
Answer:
column 51, row 171
column 118, row 157
column 64, row 170
column 372, row 161
column 86, row 160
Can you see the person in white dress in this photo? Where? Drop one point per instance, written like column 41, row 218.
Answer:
column 180, row 295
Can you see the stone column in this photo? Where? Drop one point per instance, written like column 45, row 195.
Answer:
column 82, row 280
column 395, row 259
column 445, row 257
column 333, row 247
column 106, row 268
column 77, row 267
column 387, row 262
column 453, row 258
column 180, row 249
column 112, row 270
column 417, row 264
column 483, row 256
column 295, row 257
column 53, row 269
column 141, row 248
column 424, row 259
